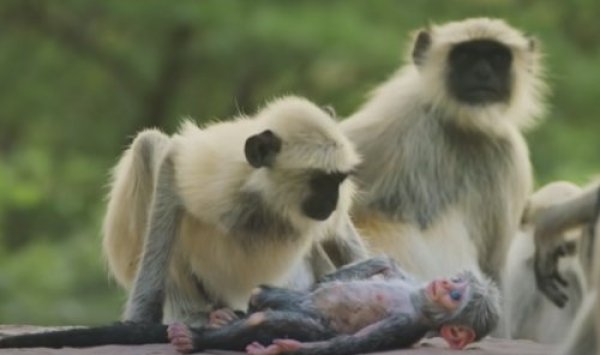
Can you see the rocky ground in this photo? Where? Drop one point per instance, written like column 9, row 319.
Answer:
column 434, row 346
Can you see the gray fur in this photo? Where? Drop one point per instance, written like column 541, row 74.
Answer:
column 345, row 244
column 192, row 224
column 461, row 161
column 583, row 337
column 147, row 298
column 439, row 165
column 433, row 164
column 550, row 225
column 482, row 312
column 254, row 221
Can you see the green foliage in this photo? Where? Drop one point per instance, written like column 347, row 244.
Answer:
column 80, row 78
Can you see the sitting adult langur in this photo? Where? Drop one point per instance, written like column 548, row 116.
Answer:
column 581, row 210
column 372, row 305
column 529, row 310
column 195, row 221
column 445, row 169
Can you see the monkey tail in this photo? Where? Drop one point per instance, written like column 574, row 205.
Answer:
column 129, row 202
column 120, row 333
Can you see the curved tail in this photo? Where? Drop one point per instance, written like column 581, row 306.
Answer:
column 120, row 333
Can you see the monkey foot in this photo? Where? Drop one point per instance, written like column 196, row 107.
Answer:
column 257, row 348
column 279, row 346
column 286, row 345
column 221, row 317
column 180, row 337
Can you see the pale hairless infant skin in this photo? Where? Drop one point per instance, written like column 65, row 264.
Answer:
column 369, row 306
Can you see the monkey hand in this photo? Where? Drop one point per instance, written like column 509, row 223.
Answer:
column 548, row 279
column 221, row 317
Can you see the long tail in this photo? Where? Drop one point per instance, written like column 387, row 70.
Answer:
column 120, row 333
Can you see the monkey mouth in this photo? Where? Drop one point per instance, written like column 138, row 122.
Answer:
column 481, row 94
column 482, row 91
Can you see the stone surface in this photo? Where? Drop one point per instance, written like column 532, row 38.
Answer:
column 434, row 346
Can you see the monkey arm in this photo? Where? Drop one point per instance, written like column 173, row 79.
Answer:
column 395, row 332
column 381, row 265
column 549, row 226
column 319, row 260
column 344, row 245
column 352, row 247
column 146, row 300
column 558, row 218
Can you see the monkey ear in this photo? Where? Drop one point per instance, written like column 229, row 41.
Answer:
column 533, row 43
column 261, row 149
column 329, row 110
column 457, row 336
column 527, row 215
column 422, row 44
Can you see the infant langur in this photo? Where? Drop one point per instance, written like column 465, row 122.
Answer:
column 369, row 306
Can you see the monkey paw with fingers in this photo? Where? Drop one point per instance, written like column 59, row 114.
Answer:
column 279, row 346
column 180, row 337
column 221, row 317
column 548, row 279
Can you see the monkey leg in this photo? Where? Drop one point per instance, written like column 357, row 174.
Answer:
column 262, row 327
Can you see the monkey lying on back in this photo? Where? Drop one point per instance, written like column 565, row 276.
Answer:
column 372, row 305
column 195, row 221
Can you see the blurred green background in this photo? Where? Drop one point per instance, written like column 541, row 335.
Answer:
column 79, row 78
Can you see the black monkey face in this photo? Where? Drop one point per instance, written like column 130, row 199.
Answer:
column 479, row 72
column 323, row 194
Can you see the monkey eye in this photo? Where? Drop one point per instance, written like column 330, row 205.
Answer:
column 456, row 295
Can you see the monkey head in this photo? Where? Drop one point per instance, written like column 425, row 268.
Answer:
column 304, row 152
column 480, row 66
column 463, row 308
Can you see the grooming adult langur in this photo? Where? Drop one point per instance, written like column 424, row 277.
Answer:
column 204, row 216
column 372, row 305
column 581, row 210
column 529, row 311
column 445, row 169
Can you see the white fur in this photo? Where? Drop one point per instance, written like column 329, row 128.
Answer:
column 526, row 102
column 584, row 336
column 408, row 102
column 412, row 246
column 530, row 314
column 210, row 172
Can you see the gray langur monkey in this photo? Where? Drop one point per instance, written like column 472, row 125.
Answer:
column 581, row 210
column 529, row 311
column 445, row 173
column 196, row 220
column 354, row 315
column 576, row 212
column 367, row 306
